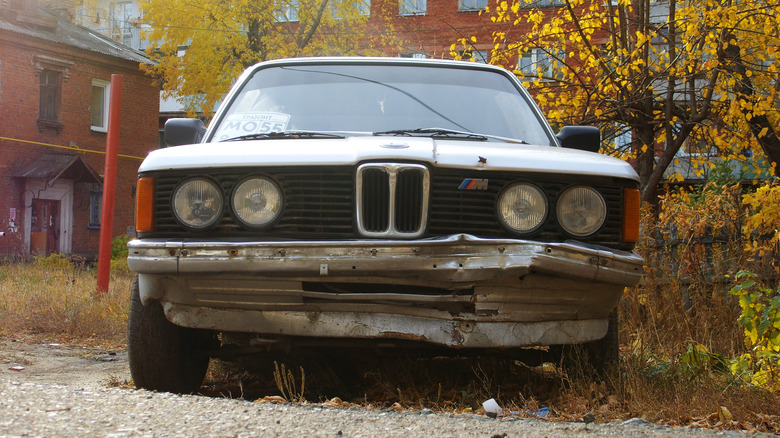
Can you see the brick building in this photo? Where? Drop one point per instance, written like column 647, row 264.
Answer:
column 54, row 99
column 428, row 28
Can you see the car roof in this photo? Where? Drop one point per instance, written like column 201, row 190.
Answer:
column 366, row 60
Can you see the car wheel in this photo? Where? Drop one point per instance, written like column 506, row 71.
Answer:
column 596, row 359
column 164, row 356
column 604, row 354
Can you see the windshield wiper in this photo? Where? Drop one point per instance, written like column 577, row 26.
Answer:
column 285, row 134
column 449, row 134
column 434, row 133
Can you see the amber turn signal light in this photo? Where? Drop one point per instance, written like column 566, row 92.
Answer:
column 631, row 203
column 144, row 205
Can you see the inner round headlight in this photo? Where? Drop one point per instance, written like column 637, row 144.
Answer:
column 198, row 203
column 581, row 211
column 522, row 207
column 257, row 202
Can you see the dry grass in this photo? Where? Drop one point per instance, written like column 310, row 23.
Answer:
column 55, row 299
column 678, row 333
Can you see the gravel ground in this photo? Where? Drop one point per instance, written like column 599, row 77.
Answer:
column 63, row 392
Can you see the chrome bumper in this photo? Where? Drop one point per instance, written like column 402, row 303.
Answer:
column 455, row 259
column 517, row 292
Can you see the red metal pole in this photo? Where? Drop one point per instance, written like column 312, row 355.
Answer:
column 109, row 186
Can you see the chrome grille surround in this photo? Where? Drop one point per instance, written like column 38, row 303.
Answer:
column 392, row 199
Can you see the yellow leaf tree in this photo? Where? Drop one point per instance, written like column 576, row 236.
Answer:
column 222, row 38
column 695, row 74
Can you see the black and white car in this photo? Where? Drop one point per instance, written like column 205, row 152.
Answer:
column 378, row 201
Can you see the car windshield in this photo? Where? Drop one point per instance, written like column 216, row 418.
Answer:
column 349, row 98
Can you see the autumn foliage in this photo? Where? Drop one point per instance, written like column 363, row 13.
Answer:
column 659, row 78
column 707, row 303
column 202, row 47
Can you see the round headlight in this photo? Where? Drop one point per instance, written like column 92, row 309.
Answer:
column 197, row 203
column 522, row 207
column 581, row 211
column 257, row 202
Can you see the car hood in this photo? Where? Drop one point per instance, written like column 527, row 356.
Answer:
column 472, row 155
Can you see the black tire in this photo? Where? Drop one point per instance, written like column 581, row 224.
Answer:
column 164, row 356
column 596, row 359
column 604, row 354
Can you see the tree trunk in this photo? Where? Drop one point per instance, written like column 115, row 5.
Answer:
column 645, row 163
column 744, row 90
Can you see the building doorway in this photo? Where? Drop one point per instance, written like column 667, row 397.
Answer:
column 44, row 227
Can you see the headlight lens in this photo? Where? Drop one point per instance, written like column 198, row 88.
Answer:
column 581, row 211
column 257, row 202
column 198, row 203
column 522, row 207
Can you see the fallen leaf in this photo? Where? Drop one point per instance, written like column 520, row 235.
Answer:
column 335, row 402
column 271, row 399
column 724, row 415
column 16, row 368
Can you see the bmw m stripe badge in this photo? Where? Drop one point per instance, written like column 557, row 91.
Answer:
column 473, row 184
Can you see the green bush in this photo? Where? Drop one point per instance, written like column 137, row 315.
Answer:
column 760, row 320
column 119, row 247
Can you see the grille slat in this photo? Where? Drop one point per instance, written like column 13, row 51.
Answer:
column 409, row 197
column 376, row 200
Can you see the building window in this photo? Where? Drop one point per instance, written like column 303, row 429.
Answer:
column 100, row 96
column 51, row 92
column 95, row 201
column 472, row 5
column 414, row 55
column 545, row 3
column 412, row 7
column 287, row 12
column 363, row 7
column 475, row 56
column 359, row 8
column 536, row 61
column 120, row 16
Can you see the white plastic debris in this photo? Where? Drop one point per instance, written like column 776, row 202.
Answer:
column 491, row 407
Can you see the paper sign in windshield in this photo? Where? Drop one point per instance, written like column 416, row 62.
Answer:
column 237, row 125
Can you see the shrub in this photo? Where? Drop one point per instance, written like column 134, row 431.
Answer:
column 119, row 247
column 691, row 243
column 53, row 261
column 760, row 320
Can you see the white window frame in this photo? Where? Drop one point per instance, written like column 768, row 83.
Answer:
column 362, row 7
column 472, row 5
column 106, row 86
column 120, row 14
column 412, row 7
column 287, row 12
column 537, row 57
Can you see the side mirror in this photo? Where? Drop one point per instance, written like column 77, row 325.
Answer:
column 584, row 138
column 183, row 131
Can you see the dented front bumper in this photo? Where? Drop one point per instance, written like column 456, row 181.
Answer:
column 458, row 291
